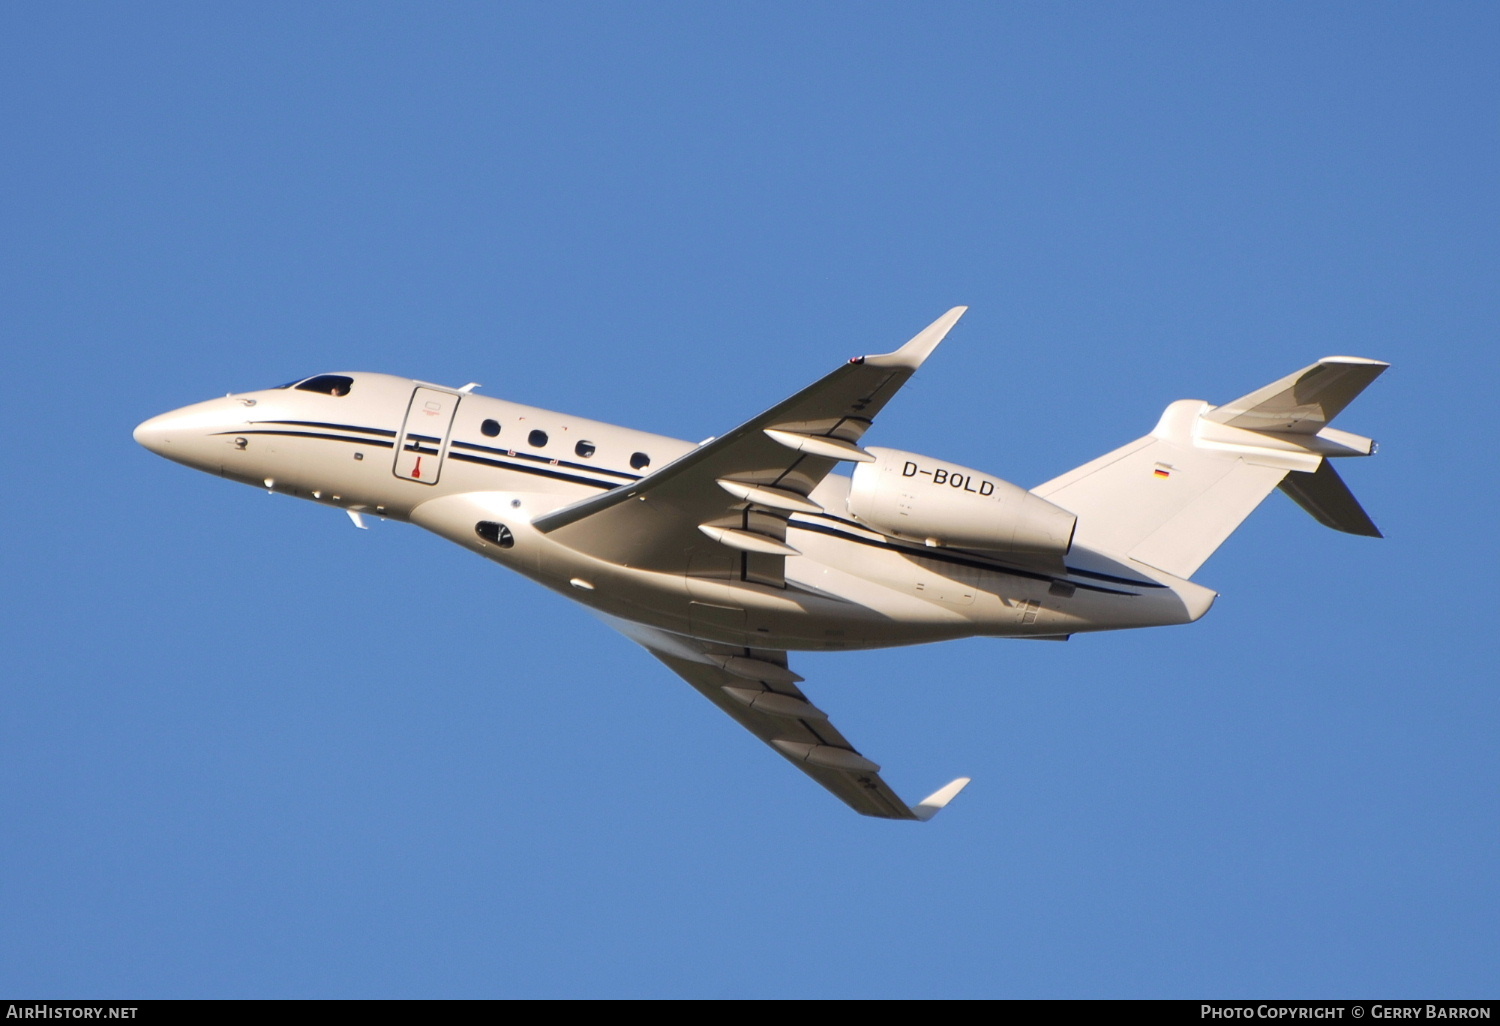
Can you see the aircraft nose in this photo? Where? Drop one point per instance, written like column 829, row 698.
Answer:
column 189, row 435
column 155, row 434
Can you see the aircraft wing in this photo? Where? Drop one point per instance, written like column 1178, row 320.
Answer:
column 757, row 689
column 720, row 510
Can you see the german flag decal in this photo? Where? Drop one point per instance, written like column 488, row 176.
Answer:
column 1162, row 470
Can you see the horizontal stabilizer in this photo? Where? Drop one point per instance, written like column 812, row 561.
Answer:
column 1305, row 402
column 1324, row 495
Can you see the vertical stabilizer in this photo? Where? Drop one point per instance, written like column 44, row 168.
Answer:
column 1170, row 499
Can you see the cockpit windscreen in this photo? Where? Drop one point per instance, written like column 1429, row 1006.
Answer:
column 327, row 384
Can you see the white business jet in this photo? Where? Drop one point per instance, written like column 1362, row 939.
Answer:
column 722, row 557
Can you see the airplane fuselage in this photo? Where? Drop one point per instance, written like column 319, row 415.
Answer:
column 476, row 470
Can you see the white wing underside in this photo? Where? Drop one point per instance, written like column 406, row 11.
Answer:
column 756, row 688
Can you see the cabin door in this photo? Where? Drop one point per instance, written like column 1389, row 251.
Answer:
column 424, row 435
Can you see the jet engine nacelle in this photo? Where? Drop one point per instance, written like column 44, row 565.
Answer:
column 910, row 496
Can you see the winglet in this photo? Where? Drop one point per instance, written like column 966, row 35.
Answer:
column 919, row 348
column 939, row 799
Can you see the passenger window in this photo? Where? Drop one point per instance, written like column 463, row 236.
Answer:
column 584, row 449
column 640, row 461
column 538, row 439
column 327, row 384
column 490, row 428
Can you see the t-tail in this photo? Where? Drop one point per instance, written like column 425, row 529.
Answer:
column 1170, row 499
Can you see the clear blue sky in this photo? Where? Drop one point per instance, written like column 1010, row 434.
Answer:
column 248, row 751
